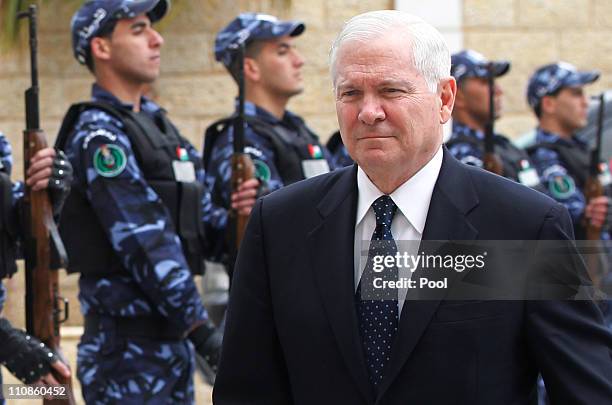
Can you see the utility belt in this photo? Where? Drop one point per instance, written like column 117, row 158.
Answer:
column 149, row 327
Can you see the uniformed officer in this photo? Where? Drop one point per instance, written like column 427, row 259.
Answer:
column 139, row 193
column 555, row 92
column 284, row 150
column 471, row 115
column 23, row 355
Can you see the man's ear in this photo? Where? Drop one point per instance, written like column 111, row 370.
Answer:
column 100, row 48
column 448, row 92
column 548, row 104
column 251, row 69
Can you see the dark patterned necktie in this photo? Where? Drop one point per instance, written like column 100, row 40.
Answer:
column 377, row 310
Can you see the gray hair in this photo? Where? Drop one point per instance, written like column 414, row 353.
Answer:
column 429, row 50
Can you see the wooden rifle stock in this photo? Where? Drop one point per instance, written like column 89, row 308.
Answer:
column 43, row 312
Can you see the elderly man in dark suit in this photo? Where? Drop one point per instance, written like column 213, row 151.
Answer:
column 301, row 326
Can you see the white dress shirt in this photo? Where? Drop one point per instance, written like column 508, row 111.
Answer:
column 412, row 199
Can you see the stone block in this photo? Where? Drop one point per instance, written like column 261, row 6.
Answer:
column 489, row 13
column 338, row 12
column 553, row 13
column 187, row 53
column 197, row 96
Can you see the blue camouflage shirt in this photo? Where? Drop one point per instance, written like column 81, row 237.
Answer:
column 257, row 146
column 6, row 166
column 157, row 280
column 555, row 176
column 466, row 152
column 341, row 157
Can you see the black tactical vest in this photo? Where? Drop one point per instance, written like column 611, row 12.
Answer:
column 8, row 249
column 289, row 149
column 154, row 145
column 510, row 156
column 577, row 160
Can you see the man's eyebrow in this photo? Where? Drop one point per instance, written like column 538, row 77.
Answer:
column 397, row 83
column 138, row 25
column 284, row 45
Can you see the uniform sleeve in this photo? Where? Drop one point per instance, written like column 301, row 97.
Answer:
column 558, row 183
column 466, row 153
column 260, row 151
column 134, row 219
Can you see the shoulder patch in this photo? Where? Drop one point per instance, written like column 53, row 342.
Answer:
column 109, row 160
column 562, row 186
column 105, row 133
column 262, row 170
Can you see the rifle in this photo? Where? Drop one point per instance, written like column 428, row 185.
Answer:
column 242, row 165
column 42, row 283
column 593, row 187
column 491, row 161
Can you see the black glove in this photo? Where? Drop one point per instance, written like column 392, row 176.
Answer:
column 60, row 181
column 26, row 357
column 207, row 342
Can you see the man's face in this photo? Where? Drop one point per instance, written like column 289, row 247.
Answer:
column 135, row 50
column 280, row 67
column 569, row 108
column 388, row 117
column 473, row 98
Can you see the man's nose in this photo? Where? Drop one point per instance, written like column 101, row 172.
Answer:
column 298, row 59
column 156, row 39
column 371, row 111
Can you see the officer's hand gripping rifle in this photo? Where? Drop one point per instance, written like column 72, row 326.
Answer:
column 242, row 165
column 42, row 283
column 491, row 161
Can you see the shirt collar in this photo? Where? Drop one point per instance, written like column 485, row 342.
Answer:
column 551, row 137
column 250, row 108
column 100, row 94
column 412, row 198
column 462, row 129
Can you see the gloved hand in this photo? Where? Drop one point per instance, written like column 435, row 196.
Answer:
column 60, row 181
column 26, row 357
column 207, row 342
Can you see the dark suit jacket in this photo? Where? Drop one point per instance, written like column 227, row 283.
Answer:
column 292, row 334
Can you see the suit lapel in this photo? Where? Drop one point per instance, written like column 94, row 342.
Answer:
column 453, row 197
column 331, row 244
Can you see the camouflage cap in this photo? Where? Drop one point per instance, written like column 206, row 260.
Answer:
column 95, row 15
column 550, row 78
column 248, row 27
column 469, row 63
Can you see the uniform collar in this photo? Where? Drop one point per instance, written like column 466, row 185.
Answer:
column 462, row 129
column 289, row 119
column 100, row 94
column 551, row 137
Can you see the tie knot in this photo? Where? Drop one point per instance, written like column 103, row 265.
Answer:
column 384, row 208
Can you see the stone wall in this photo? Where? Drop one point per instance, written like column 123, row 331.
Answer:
column 530, row 33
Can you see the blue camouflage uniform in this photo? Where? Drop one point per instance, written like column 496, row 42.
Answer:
column 558, row 179
column 467, row 144
column 258, row 147
column 340, row 155
column 155, row 281
column 244, row 29
column 142, row 234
